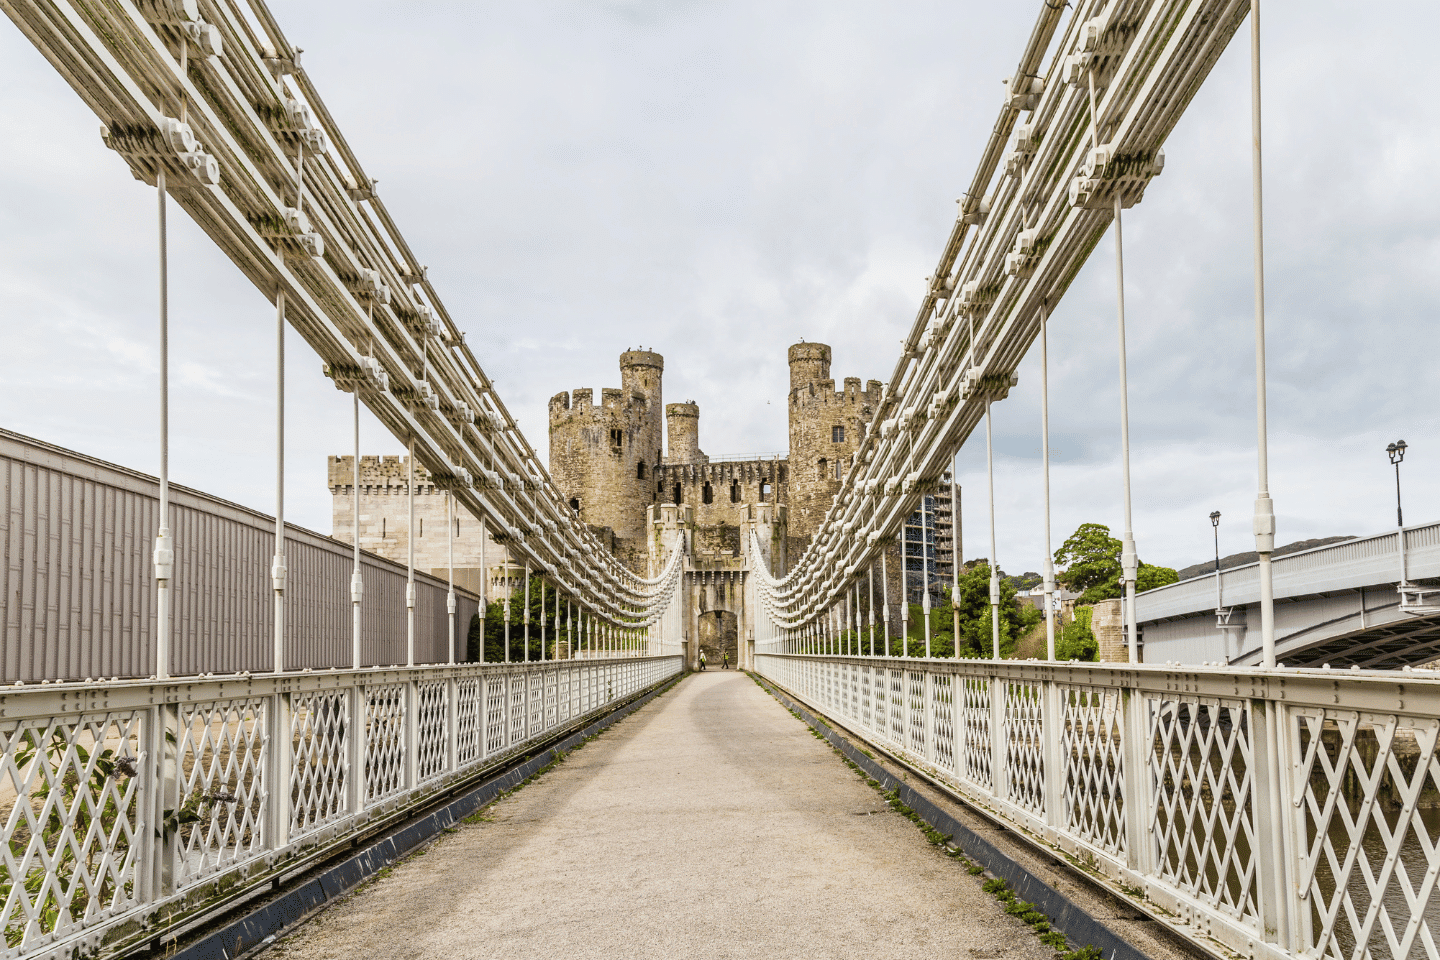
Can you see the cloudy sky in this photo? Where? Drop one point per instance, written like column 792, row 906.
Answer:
column 717, row 180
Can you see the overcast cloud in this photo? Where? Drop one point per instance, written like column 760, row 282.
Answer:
column 719, row 180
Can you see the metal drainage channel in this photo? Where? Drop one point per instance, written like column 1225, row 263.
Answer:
column 241, row 930
column 1067, row 916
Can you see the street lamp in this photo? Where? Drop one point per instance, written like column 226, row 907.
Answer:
column 1396, row 451
column 1215, row 522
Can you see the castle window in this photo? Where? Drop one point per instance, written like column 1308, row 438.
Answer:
column 640, row 470
column 457, row 526
column 780, row 475
column 839, row 469
column 677, row 493
column 422, row 526
column 824, row 468
column 575, row 505
column 707, row 494
column 837, row 434
column 734, row 491
column 659, row 486
column 764, row 490
column 382, row 528
column 617, row 437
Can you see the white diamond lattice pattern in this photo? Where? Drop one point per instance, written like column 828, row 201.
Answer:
column 69, row 798
column 1025, row 746
column 1092, row 747
column 220, row 749
column 320, row 762
column 1367, row 819
column 1203, row 815
column 432, row 699
column 384, row 740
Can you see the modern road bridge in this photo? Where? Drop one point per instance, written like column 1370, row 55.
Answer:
column 235, row 702
column 1356, row 603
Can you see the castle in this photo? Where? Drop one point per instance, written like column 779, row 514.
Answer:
column 631, row 459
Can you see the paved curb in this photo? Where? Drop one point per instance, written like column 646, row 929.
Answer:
column 1065, row 915
column 270, row 919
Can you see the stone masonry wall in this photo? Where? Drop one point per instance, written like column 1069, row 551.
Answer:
column 385, row 519
column 602, row 456
column 825, row 430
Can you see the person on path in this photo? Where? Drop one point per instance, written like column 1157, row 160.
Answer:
column 725, row 660
column 702, row 660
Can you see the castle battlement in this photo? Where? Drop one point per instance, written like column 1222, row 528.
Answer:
column 377, row 475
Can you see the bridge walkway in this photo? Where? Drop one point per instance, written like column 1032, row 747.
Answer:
column 708, row 824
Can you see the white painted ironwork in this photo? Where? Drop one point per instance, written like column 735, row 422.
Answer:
column 1281, row 813
column 127, row 803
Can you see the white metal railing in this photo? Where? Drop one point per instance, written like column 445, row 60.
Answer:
column 1280, row 812
column 130, row 805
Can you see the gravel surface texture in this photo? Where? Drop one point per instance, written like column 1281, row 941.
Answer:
column 710, row 823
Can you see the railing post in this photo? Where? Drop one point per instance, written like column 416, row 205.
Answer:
column 452, row 723
column 167, row 796
column 412, row 733
column 1052, row 734
column 1139, row 802
column 1275, row 845
column 277, row 827
column 929, row 689
column 356, row 747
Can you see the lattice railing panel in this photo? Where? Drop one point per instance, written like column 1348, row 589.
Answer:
column 915, row 711
column 898, row 717
column 1369, row 786
column 976, row 749
column 320, row 760
column 385, row 719
column 71, row 806
column 469, row 708
column 220, row 752
column 1025, row 746
column 867, row 697
column 1092, row 745
column 496, row 728
column 519, row 718
column 535, row 699
column 942, row 719
column 432, row 717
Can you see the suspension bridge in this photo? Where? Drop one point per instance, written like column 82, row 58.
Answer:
column 205, row 708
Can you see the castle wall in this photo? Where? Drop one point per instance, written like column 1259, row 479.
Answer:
column 826, row 426
column 385, row 520
column 603, row 456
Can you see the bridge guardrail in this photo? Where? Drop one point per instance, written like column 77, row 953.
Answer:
column 1280, row 813
column 136, row 805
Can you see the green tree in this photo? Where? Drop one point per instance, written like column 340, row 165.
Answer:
column 494, row 626
column 1090, row 559
column 975, row 614
column 1090, row 563
column 1077, row 640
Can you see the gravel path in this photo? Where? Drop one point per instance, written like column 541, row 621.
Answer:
column 710, row 823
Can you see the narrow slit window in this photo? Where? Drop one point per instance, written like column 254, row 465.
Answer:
column 677, row 493
column 824, row 470
column 707, row 494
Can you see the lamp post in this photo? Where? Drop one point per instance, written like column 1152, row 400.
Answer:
column 1396, row 451
column 1215, row 522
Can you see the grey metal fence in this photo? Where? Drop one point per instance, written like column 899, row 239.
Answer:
column 76, row 536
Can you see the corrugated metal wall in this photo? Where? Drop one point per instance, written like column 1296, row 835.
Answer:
column 79, row 591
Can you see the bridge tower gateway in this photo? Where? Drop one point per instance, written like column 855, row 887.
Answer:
column 603, row 456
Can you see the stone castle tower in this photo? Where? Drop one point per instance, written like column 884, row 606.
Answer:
column 603, row 457
column 826, row 427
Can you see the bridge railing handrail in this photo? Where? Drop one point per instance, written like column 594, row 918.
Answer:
column 129, row 804
column 1264, row 809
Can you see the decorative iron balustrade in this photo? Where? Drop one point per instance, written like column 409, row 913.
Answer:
column 132, row 806
column 1280, row 813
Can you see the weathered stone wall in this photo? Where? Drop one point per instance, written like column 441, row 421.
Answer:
column 682, row 433
column 385, row 519
column 602, row 457
column 825, row 430
column 1109, row 630
column 721, row 492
